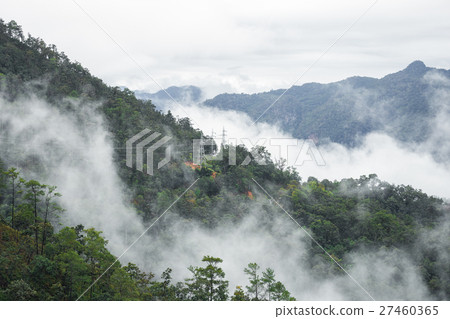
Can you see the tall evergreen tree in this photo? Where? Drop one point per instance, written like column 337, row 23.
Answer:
column 35, row 191
column 13, row 175
column 208, row 282
column 256, row 282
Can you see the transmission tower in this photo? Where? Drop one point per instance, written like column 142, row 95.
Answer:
column 202, row 148
column 224, row 137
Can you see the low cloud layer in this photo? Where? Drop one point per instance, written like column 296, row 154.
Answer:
column 74, row 152
column 274, row 241
column 422, row 165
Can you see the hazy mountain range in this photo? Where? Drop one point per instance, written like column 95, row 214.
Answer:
column 178, row 93
column 343, row 112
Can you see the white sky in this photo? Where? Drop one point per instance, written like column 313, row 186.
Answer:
column 239, row 46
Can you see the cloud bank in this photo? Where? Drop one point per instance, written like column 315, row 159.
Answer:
column 424, row 165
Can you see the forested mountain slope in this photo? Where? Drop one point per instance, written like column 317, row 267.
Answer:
column 38, row 262
column 343, row 111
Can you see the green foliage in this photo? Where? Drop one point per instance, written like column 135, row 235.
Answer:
column 12, row 175
column 264, row 287
column 256, row 282
column 239, row 295
column 327, row 111
column 268, row 279
column 279, row 292
column 141, row 280
column 123, row 285
column 164, row 290
column 44, row 275
column 208, row 282
column 37, row 263
column 19, row 290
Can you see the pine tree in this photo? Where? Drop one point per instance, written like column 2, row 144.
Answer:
column 208, row 283
column 256, row 282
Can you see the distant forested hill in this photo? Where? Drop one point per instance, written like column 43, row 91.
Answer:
column 397, row 104
column 179, row 94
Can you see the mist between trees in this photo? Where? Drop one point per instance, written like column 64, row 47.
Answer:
column 61, row 126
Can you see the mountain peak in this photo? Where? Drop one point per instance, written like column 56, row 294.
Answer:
column 416, row 66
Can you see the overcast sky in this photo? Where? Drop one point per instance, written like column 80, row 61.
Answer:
column 240, row 46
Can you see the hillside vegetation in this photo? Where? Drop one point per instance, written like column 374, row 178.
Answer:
column 343, row 112
column 38, row 262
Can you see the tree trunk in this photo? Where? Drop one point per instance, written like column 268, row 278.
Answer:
column 13, row 203
column 44, row 235
column 35, row 224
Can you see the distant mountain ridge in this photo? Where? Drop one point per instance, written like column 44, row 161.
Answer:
column 346, row 110
column 178, row 93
